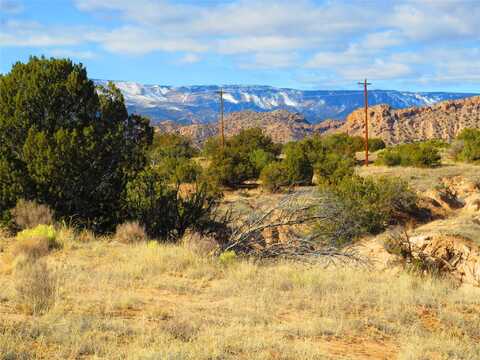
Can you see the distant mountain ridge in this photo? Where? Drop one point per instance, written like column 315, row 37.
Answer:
column 200, row 104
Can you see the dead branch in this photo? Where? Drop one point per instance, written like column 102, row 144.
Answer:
column 302, row 209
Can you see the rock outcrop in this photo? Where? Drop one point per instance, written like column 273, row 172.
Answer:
column 443, row 120
column 283, row 126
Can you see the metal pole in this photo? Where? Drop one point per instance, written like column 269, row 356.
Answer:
column 222, row 125
column 366, row 122
column 365, row 93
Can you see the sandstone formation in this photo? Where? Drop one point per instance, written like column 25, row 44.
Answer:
column 283, row 126
column 443, row 120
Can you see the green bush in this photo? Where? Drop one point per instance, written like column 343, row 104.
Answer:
column 171, row 145
column 179, row 170
column 66, row 143
column 298, row 166
column 375, row 144
column 468, row 143
column 164, row 210
column 417, row 154
column 366, row 206
column 343, row 144
column 242, row 158
column 274, row 176
column 334, row 167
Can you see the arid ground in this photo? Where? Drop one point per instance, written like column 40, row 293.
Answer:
column 157, row 301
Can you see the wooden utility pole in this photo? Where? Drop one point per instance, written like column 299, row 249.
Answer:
column 222, row 126
column 365, row 92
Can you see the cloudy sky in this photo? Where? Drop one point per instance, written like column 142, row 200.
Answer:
column 307, row 44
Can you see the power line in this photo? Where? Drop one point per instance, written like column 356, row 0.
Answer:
column 365, row 91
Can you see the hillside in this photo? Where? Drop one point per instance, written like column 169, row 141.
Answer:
column 200, row 104
column 283, row 126
column 440, row 121
column 443, row 121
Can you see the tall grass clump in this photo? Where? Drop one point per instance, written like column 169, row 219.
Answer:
column 130, row 233
column 35, row 287
column 28, row 214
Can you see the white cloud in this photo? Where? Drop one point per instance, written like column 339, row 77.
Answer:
column 251, row 44
column 132, row 40
column 336, row 39
column 190, row 59
column 16, row 33
column 270, row 60
column 74, row 54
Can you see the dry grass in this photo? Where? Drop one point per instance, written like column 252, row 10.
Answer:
column 153, row 301
column 130, row 233
column 424, row 179
column 31, row 247
column 466, row 227
column 29, row 214
column 35, row 287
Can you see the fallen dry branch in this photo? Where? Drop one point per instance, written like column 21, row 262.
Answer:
column 296, row 214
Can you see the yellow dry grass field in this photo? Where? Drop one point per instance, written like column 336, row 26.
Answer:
column 150, row 301
column 423, row 179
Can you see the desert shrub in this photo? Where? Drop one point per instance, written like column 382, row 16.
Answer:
column 417, row 154
column 455, row 150
column 172, row 154
column 375, row 144
column 35, row 287
column 211, row 146
column 179, row 170
column 180, row 329
column 334, row 167
column 274, row 176
column 438, row 143
column 29, row 214
column 227, row 257
column 165, row 212
column 66, row 143
column 242, row 158
column 47, row 232
column 343, row 144
column 130, row 233
column 298, row 165
column 171, row 145
column 367, row 206
column 201, row 244
column 261, row 158
column 468, row 145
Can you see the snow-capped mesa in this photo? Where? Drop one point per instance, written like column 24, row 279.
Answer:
column 200, row 104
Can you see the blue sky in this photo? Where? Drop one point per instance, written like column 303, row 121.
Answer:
column 430, row 45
